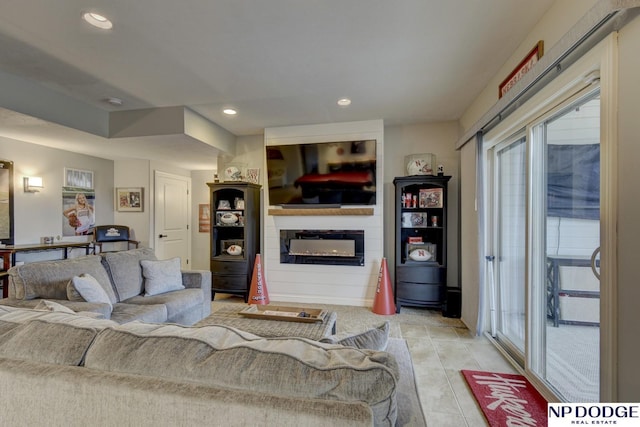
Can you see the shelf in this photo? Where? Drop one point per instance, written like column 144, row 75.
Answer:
column 321, row 212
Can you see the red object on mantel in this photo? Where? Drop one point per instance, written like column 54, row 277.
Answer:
column 383, row 301
column 258, row 291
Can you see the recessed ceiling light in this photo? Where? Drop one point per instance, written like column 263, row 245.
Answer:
column 97, row 20
column 344, row 102
column 113, row 101
column 230, row 111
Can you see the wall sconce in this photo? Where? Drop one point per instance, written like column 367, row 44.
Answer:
column 32, row 184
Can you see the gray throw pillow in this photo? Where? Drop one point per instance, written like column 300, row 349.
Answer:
column 47, row 305
column 372, row 339
column 161, row 276
column 86, row 288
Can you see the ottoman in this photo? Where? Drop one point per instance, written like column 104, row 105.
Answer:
column 229, row 316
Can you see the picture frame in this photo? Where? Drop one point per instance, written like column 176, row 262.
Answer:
column 253, row 175
column 521, row 69
column 78, row 178
column 430, row 198
column 414, row 220
column 204, row 218
column 129, row 199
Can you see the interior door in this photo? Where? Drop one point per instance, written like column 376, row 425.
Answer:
column 172, row 217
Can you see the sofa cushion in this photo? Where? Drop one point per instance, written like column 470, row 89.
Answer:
column 48, row 337
column 226, row 357
column 373, row 339
column 177, row 302
column 87, row 288
column 161, row 276
column 152, row 313
column 47, row 305
column 125, row 271
column 103, row 311
column 48, row 279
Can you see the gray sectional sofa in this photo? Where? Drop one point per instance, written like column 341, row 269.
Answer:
column 67, row 369
column 125, row 281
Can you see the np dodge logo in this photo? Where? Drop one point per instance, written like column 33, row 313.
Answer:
column 572, row 414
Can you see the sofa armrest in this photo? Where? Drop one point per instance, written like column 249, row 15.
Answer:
column 199, row 279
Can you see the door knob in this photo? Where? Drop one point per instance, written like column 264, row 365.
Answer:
column 162, row 235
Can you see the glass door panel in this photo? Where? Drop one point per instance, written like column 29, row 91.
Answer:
column 510, row 245
column 571, row 141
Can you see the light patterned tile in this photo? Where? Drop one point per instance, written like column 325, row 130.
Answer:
column 438, row 397
column 413, row 331
column 439, row 419
column 455, row 355
column 423, row 355
column 489, row 358
column 467, row 402
column 442, row 333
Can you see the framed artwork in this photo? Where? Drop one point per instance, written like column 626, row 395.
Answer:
column 521, row 69
column 6, row 204
column 430, row 198
column 78, row 211
column 129, row 199
column 204, row 218
column 78, row 178
column 253, row 175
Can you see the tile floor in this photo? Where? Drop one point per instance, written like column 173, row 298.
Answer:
column 440, row 347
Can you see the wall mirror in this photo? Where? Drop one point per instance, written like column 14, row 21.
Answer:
column 6, row 202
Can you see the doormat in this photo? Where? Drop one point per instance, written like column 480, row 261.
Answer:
column 507, row 399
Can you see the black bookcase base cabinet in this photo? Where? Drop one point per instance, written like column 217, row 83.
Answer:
column 420, row 287
column 231, row 274
column 420, row 224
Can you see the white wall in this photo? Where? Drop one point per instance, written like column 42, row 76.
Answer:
column 40, row 214
column 553, row 25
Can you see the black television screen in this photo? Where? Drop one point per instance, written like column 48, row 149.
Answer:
column 324, row 173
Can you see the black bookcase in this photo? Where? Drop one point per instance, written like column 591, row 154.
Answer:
column 235, row 223
column 420, row 240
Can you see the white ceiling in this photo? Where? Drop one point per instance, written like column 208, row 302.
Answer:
column 278, row 62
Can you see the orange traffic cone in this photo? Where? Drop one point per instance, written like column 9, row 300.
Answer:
column 383, row 301
column 258, row 291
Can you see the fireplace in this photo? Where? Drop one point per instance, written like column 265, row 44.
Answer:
column 329, row 247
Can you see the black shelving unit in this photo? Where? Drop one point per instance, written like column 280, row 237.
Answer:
column 420, row 240
column 235, row 221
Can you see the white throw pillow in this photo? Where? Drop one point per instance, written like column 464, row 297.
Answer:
column 46, row 305
column 89, row 289
column 161, row 276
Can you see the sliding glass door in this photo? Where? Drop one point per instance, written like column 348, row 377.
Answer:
column 542, row 253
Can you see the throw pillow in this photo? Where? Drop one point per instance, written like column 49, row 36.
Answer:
column 87, row 288
column 46, row 305
column 372, row 339
column 161, row 276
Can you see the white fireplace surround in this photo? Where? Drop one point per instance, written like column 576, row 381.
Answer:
column 326, row 284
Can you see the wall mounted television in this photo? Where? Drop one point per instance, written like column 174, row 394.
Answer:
column 322, row 173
